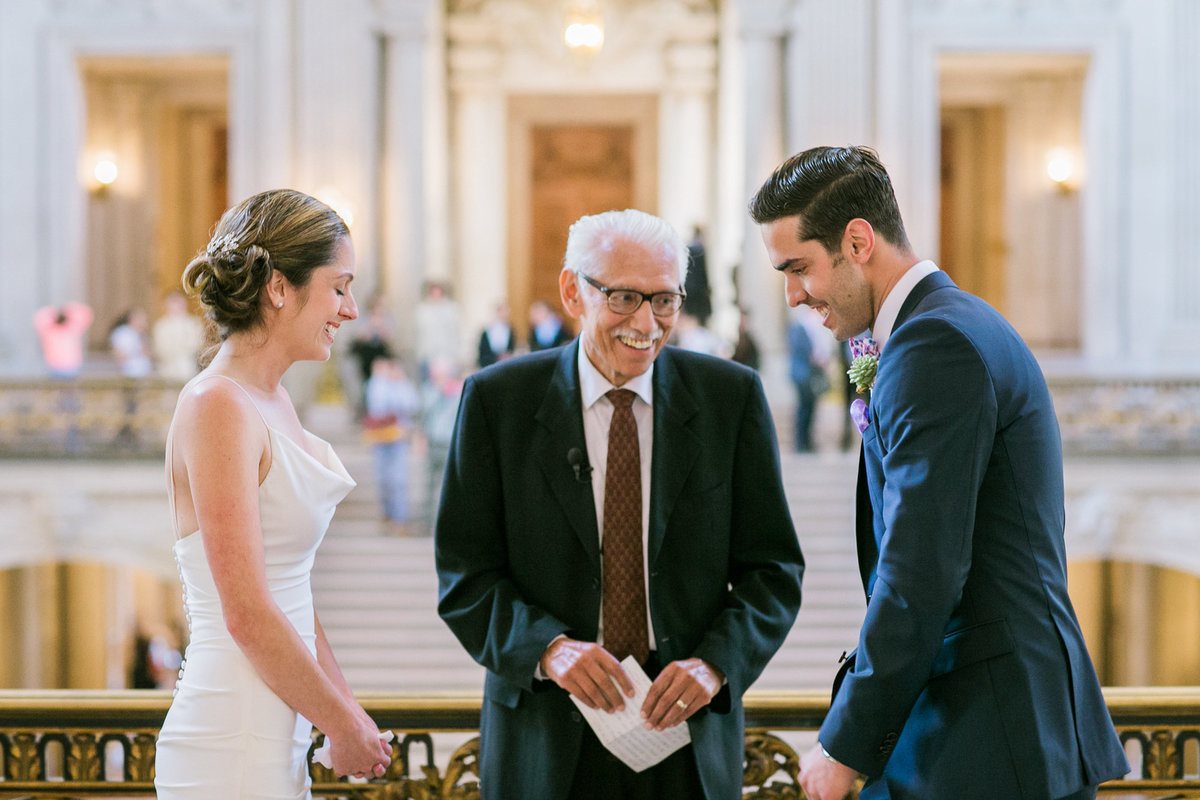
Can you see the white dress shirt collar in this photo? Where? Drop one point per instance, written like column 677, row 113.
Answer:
column 593, row 385
column 886, row 320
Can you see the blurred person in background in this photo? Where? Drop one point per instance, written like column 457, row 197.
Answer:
column 497, row 341
column 60, row 330
column 546, row 328
column 391, row 402
column 177, row 337
column 130, row 344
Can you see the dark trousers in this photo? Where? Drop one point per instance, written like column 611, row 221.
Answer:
column 1086, row 793
column 599, row 775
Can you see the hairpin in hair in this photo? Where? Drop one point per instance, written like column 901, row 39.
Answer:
column 224, row 244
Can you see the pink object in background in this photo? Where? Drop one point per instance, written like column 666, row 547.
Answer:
column 61, row 333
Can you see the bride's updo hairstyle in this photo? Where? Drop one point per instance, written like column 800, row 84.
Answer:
column 282, row 230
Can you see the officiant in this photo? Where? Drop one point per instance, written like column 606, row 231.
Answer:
column 608, row 498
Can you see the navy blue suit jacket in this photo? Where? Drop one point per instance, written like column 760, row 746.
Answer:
column 518, row 553
column 971, row 680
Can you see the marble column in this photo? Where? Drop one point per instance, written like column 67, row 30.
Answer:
column 25, row 282
column 686, row 136
column 403, row 225
column 761, row 32
column 478, row 268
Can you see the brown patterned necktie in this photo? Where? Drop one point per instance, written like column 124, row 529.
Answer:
column 624, row 583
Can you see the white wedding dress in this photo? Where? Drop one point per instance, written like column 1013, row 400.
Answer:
column 226, row 734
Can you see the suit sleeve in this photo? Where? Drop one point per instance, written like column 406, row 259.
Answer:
column 765, row 565
column 934, row 410
column 476, row 597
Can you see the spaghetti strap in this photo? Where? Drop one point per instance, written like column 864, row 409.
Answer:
column 243, row 388
column 170, row 460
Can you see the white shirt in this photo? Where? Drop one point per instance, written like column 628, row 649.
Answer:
column 597, row 416
column 890, row 309
column 497, row 335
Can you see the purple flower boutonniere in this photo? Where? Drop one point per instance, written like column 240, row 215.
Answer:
column 865, row 363
column 860, row 412
column 865, row 355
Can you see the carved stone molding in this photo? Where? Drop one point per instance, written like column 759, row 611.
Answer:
column 110, row 11
column 764, row 18
column 530, row 31
column 403, row 17
column 557, row 6
column 1128, row 416
column 990, row 10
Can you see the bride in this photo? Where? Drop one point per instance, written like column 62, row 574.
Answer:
column 252, row 493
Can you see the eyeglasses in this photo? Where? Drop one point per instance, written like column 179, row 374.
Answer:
column 627, row 301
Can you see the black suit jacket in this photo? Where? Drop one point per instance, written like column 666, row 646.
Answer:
column 518, row 553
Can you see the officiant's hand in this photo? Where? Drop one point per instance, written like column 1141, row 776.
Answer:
column 587, row 671
column 680, row 690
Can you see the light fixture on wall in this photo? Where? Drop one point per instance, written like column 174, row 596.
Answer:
column 105, row 172
column 583, row 26
column 1060, row 168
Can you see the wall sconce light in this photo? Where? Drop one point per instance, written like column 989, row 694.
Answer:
column 583, row 29
column 105, row 172
column 1060, row 168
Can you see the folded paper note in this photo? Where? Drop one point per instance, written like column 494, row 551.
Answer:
column 622, row 732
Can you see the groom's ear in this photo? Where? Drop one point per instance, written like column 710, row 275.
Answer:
column 858, row 241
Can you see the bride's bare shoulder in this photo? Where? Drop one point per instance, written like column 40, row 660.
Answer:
column 215, row 405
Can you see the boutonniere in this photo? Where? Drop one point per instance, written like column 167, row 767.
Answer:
column 865, row 363
column 865, row 355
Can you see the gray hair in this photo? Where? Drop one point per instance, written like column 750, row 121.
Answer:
column 593, row 237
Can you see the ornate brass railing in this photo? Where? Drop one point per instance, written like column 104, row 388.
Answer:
column 101, row 744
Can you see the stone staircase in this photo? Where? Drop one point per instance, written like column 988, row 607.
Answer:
column 376, row 592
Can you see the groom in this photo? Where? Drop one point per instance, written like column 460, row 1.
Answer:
column 971, row 680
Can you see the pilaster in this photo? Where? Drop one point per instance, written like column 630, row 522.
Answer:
column 404, row 26
column 761, row 31
column 480, row 182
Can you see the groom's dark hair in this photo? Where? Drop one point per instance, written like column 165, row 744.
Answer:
column 827, row 187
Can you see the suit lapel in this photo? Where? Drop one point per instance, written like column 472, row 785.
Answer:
column 675, row 447
column 560, row 428
column 864, row 527
column 865, row 516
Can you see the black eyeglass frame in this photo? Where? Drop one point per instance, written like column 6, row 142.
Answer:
column 608, row 290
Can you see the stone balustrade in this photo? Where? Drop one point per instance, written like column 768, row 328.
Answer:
column 107, row 417
column 89, row 417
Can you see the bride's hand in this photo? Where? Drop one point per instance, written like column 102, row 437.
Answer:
column 363, row 752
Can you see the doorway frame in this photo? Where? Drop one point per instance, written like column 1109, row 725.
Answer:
column 260, row 137
column 908, row 124
column 639, row 111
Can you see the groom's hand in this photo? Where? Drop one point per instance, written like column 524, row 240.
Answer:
column 587, row 671
column 823, row 778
